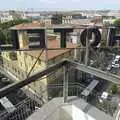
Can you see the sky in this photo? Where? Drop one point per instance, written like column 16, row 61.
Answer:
column 60, row 4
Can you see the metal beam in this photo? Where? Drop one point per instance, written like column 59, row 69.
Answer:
column 99, row 73
column 104, row 75
column 15, row 86
column 87, row 50
column 9, row 48
column 65, row 83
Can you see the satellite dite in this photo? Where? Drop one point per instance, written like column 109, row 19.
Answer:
column 112, row 36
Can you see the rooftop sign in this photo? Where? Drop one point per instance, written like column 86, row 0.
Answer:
column 112, row 36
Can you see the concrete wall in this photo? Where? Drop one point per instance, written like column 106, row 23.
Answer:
column 78, row 114
column 69, row 112
column 61, row 113
column 55, row 115
column 26, row 61
column 66, row 113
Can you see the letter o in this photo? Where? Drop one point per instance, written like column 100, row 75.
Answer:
column 90, row 31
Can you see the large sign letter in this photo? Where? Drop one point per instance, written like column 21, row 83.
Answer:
column 112, row 35
column 41, row 38
column 90, row 31
column 63, row 32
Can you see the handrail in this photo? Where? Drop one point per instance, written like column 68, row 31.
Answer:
column 108, row 76
column 8, row 89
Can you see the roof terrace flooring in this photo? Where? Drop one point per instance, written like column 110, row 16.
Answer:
column 49, row 109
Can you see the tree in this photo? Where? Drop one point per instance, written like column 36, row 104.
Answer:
column 11, row 23
column 8, row 36
column 5, row 34
column 114, row 89
column 117, row 22
column 2, row 37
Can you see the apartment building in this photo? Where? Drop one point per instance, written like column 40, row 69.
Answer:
column 67, row 19
column 51, row 19
column 6, row 18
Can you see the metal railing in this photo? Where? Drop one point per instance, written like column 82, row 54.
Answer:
column 23, row 110
column 75, row 89
column 27, row 107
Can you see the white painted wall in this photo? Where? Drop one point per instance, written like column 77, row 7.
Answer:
column 74, row 39
column 78, row 114
column 55, row 115
column 69, row 112
column 66, row 113
column 56, row 109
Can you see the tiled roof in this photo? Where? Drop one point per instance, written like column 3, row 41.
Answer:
column 51, row 53
column 37, row 25
column 28, row 26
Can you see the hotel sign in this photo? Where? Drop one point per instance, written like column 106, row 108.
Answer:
column 112, row 37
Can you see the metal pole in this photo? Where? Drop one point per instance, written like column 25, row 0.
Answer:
column 46, row 48
column 108, row 37
column 87, row 49
column 65, row 84
column 46, row 62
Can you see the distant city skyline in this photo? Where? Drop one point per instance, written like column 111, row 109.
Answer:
column 60, row 4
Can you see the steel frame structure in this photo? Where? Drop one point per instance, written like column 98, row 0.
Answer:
column 64, row 63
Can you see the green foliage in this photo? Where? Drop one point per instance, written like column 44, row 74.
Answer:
column 108, row 107
column 8, row 37
column 117, row 22
column 11, row 23
column 5, row 34
column 114, row 89
column 2, row 37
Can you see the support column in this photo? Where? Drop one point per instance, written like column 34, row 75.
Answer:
column 65, row 83
column 87, row 49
